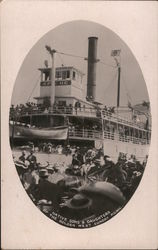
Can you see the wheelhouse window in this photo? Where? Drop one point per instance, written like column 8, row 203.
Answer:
column 68, row 73
column 62, row 74
column 73, row 75
column 47, row 76
column 58, row 74
column 65, row 74
column 62, row 103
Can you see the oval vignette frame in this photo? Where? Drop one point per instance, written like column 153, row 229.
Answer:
column 95, row 167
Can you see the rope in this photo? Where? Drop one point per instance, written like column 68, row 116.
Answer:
column 33, row 88
column 61, row 59
column 127, row 92
column 81, row 57
column 107, row 64
column 66, row 54
column 110, row 83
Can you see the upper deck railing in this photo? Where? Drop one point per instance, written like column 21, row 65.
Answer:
column 81, row 111
column 120, row 119
column 60, row 110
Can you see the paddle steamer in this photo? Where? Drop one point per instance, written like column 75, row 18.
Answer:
column 62, row 112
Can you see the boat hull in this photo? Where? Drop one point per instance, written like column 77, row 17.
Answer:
column 114, row 148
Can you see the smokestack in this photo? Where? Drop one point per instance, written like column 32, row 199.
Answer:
column 92, row 62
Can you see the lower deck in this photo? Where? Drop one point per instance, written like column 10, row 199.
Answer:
column 112, row 143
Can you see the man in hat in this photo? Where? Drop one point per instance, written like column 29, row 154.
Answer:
column 105, row 196
column 30, row 183
column 68, row 150
column 80, row 156
column 31, row 145
column 32, row 159
column 77, row 208
column 49, row 190
column 135, row 180
column 50, row 169
column 75, row 160
column 115, row 173
column 49, row 148
column 22, row 168
column 23, row 156
column 60, row 149
column 130, row 168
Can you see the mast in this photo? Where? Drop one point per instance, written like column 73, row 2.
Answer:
column 116, row 54
column 52, row 74
column 118, row 87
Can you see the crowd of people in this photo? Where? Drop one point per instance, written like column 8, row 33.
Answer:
column 95, row 166
column 48, row 147
column 50, row 185
column 30, row 107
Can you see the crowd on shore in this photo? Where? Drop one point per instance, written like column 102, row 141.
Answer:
column 51, row 183
column 48, row 147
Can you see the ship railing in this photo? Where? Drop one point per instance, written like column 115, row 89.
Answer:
column 119, row 119
column 78, row 111
column 82, row 111
column 85, row 133
column 125, row 138
column 94, row 134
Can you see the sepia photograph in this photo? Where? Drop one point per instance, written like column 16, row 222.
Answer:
column 79, row 125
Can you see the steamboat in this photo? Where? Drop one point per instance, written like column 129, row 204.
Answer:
column 63, row 114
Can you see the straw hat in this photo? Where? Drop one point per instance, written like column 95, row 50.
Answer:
column 109, row 159
column 50, row 168
column 79, row 201
column 43, row 173
column 41, row 166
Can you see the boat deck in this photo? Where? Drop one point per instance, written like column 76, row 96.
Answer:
column 83, row 112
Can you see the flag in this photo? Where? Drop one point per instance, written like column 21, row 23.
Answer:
column 115, row 52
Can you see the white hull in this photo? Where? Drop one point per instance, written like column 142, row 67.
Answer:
column 113, row 148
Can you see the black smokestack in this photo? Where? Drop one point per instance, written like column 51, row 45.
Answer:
column 92, row 62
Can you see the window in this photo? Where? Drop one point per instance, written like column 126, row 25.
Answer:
column 47, row 75
column 68, row 73
column 58, row 74
column 74, row 75
column 64, row 75
column 62, row 103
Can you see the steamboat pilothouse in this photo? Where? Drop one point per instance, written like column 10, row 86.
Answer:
column 63, row 113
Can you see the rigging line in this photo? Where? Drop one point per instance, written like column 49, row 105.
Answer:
column 109, row 85
column 77, row 56
column 126, row 89
column 61, row 59
column 107, row 64
column 66, row 54
column 33, row 88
